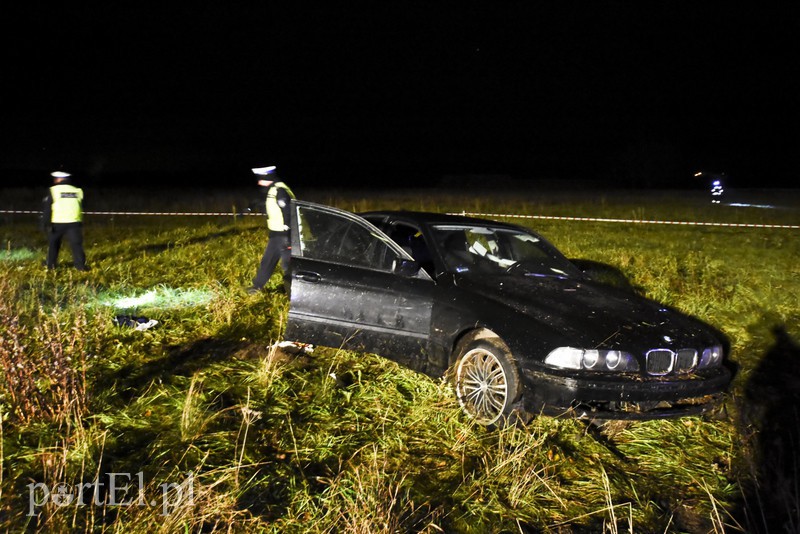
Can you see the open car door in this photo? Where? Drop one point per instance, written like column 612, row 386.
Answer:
column 352, row 287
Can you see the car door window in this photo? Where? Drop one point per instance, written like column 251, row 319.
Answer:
column 411, row 240
column 329, row 236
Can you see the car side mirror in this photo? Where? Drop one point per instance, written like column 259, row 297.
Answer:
column 406, row 267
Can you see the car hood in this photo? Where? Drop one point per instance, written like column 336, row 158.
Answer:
column 591, row 314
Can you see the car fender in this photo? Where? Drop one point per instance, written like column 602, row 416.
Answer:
column 459, row 314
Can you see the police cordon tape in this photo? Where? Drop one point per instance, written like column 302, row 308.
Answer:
column 626, row 221
column 161, row 213
column 462, row 213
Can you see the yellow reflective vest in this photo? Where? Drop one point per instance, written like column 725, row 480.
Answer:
column 66, row 204
column 275, row 221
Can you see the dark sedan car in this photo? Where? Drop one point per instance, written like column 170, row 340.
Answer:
column 517, row 327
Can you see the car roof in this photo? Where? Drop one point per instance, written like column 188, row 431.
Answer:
column 429, row 218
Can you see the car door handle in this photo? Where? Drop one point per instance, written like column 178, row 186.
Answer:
column 308, row 276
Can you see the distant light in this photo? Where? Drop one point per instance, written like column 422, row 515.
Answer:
column 716, row 182
column 739, row 205
column 59, row 174
column 263, row 171
column 698, row 173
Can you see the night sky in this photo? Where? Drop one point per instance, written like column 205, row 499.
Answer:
column 400, row 94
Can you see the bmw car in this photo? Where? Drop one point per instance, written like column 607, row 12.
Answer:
column 517, row 328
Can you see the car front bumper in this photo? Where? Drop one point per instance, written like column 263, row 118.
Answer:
column 623, row 397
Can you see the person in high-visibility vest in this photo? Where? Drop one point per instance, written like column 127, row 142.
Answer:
column 63, row 213
column 278, row 207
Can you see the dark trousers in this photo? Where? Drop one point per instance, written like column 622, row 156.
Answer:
column 278, row 248
column 74, row 234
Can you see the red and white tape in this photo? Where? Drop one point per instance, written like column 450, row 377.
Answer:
column 625, row 221
column 463, row 213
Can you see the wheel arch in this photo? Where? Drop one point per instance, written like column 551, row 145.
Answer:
column 468, row 336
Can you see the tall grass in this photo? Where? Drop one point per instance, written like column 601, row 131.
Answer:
column 334, row 441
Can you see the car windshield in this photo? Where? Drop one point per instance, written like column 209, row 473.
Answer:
column 489, row 250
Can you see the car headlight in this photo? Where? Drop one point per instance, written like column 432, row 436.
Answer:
column 711, row 357
column 591, row 359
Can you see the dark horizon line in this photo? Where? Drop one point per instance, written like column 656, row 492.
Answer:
column 365, row 179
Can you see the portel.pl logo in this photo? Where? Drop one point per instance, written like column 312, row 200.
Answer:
column 119, row 489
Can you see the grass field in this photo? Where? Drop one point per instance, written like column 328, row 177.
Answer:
column 201, row 425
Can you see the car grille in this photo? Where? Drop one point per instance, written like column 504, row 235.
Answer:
column 685, row 360
column 660, row 361
column 666, row 361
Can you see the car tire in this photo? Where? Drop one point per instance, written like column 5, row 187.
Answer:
column 486, row 380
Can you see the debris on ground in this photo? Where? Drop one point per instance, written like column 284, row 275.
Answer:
column 137, row 323
column 293, row 347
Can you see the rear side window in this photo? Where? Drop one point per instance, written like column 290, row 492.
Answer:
column 329, row 236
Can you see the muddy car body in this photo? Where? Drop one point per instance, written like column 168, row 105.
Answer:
column 517, row 327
